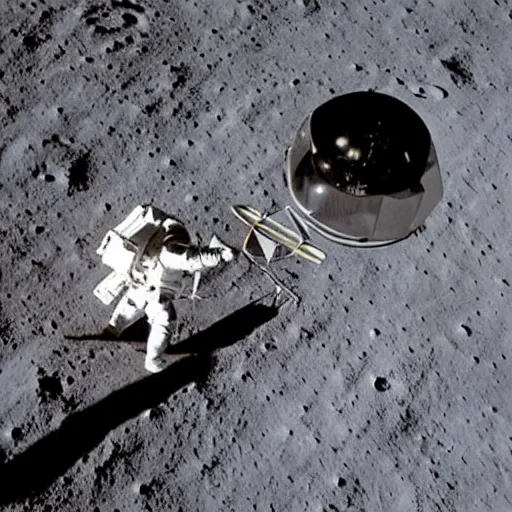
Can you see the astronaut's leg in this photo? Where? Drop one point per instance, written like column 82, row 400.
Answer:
column 127, row 312
column 160, row 314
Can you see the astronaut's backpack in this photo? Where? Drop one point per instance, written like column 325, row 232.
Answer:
column 129, row 248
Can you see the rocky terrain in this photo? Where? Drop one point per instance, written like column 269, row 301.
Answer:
column 386, row 389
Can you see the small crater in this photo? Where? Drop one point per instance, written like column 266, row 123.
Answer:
column 80, row 174
column 433, row 91
column 466, row 329
column 246, row 376
column 144, row 490
column 129, row 19
column 438, row 93
column 16, row 434
column 381, row 384
column 50, row 386
column 32, row 42
column 152, row 107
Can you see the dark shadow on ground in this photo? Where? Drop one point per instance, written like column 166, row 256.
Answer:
column 31, row 472
column 138, row 332
column 227, row 331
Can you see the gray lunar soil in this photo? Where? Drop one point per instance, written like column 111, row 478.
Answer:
column 387, row 389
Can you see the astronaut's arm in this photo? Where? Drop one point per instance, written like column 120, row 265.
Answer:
column 196, row 259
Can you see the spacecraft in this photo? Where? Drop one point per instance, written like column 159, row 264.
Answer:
column 362, row 171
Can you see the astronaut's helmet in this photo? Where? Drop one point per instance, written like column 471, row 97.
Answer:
column 360, row 166
column 177, row 241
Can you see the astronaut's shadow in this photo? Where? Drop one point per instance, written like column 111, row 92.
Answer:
column 202, row 342
column 31, row 472
column 227, row 332
column 137, row 332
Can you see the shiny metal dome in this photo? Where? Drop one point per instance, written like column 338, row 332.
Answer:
column 363, row 170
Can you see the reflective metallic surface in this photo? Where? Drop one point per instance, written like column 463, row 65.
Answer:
column 363, row 170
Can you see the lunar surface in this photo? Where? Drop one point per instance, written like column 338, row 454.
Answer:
column 388, row 388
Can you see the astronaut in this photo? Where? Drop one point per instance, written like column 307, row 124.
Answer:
column 149, row 253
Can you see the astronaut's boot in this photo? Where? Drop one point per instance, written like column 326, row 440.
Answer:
column 160, row 317
column 154, row 364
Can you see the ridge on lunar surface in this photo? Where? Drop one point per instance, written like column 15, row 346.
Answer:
column 386, row 389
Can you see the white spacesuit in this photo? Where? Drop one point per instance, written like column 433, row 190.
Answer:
column 149, row 253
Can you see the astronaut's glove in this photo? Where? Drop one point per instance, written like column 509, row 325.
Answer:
column 226, row 254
